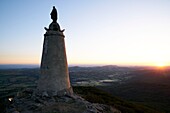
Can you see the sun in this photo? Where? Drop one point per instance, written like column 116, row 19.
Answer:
column 161, row 64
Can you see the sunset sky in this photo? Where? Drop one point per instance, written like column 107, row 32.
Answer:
column 118, row 32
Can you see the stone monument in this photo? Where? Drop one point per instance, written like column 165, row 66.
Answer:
column 54, row 93
column 54, row 78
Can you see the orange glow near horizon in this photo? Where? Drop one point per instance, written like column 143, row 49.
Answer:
column 123, row 63
column 84, row 61
column 161, row 64
column 19, row 60
column 158, row 65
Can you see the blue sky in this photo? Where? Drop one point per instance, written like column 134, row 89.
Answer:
column 122, row 32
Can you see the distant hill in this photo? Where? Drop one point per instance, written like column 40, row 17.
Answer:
column 17, row 66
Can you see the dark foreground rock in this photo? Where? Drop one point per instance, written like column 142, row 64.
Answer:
column 28, row 102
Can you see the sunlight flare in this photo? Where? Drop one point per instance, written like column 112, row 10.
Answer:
column 161, row 64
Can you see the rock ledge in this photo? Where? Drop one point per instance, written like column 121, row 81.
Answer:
column 28, row 102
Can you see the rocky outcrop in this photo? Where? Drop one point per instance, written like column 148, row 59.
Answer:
column 28, row 102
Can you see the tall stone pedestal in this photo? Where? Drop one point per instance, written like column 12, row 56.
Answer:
column 54, row 76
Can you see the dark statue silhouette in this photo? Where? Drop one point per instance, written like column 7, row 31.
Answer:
column 54, row 25
column 54, row 15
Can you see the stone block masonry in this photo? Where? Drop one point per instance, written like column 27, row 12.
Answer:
column 54, row 78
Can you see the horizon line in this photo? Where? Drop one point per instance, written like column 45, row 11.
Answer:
column 92, row 65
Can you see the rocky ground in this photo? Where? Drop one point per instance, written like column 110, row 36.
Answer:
column 28, row 102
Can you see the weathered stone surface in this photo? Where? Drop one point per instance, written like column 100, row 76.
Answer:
column 56, row 104
column 44, row 94
column 54, row 77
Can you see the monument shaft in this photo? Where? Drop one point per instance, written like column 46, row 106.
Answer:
column 54, row 68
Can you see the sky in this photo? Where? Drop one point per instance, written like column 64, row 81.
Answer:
column 98, row 32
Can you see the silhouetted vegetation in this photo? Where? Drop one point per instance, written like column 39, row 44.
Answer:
column 147, row 87
column 95, row 95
